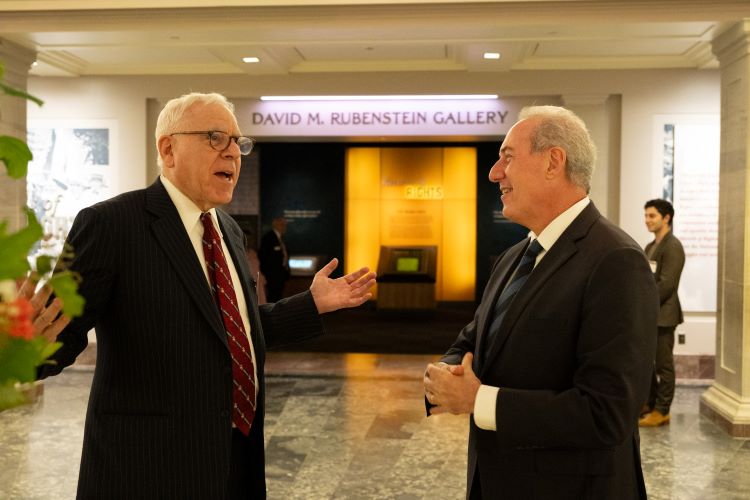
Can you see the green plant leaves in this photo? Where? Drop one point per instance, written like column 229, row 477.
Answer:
column 43, row 264
column 16, row 246
column 16, row 155
column 19, row 359
column 14, row 152
column 19, row 93
column 65, row 286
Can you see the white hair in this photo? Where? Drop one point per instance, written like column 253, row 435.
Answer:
column 174, row 110
column 562, row 128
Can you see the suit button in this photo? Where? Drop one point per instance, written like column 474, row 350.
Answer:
column 224, row 413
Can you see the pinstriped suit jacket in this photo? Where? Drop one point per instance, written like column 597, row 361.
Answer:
column 158, row 423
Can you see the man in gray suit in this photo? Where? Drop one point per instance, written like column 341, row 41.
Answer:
column 556, row 364
column 177, row 400
column 667, row 258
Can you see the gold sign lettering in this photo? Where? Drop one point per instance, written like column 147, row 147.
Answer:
column 423, row 192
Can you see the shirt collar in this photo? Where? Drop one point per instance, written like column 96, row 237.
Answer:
column 186, row 208
column 557, row 227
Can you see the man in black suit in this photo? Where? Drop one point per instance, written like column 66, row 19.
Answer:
column 555, row 366
column 163, row 419
column 274, row 259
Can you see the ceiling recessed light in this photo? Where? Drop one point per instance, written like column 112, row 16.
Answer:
column 250, row 59
column 492, row 55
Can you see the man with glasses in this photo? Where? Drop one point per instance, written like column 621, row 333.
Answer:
column 176, row 405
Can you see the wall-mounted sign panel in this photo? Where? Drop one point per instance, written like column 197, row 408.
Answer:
column 688, row 148
column 490, row 117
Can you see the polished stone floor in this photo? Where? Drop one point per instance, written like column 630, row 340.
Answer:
column 352, row 426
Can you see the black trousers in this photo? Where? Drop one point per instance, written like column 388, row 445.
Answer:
column 239, row 484
column 663, row 379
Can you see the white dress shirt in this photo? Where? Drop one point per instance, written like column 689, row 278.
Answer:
column 190, row 215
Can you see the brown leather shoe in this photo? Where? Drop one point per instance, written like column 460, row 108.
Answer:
column 654, row 419
column 644, row 410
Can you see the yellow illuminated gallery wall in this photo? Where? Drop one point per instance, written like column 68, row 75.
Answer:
column 414, row 197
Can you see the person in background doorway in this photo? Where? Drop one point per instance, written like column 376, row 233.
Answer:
column 253, row 262
column 667, row 258
column 556, row 364
column 274, row 259
column 177, row 401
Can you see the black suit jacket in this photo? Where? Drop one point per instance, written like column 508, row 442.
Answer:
column 158, row 423
column 573, row 360
column 271, row 258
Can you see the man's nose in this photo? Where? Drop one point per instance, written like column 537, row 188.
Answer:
column 497, row 172
column 233, row 150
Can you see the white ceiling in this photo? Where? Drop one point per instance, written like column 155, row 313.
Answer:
column 111, row 37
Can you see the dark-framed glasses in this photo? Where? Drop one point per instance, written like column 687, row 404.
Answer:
column 220, row 141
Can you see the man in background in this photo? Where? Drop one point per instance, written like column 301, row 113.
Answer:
column 253, row 263
column 555, row 366
column 667, row 258
column 274, row 259
column 177, row 400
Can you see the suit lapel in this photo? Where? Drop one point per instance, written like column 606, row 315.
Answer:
column 563, row 249
column 498, row 279
column 660, row 247
column 237, row 252
column 169, row 232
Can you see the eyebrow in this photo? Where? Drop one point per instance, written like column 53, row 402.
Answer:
column 503, row 149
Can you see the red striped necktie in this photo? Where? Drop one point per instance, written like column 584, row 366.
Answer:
column 243, row 393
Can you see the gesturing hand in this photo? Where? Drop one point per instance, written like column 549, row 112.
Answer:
column 46, row 319
column 451, row 388
column 348, row 291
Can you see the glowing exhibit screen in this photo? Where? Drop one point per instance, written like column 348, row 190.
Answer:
column 407, row 264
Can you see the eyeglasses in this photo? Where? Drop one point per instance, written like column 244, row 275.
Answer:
column 220, row 141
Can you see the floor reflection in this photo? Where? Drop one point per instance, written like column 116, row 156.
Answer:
column 341, row 426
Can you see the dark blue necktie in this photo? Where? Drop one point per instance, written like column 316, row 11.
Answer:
column 519, row 278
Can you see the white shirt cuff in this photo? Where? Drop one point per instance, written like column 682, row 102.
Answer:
column 484, row 407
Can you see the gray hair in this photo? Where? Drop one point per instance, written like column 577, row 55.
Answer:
column 174, row 110
column 562, row 128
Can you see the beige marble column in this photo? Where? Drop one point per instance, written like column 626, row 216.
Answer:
column 153, row 108
column 601, row 113
column 727, row 402
column 16, row 60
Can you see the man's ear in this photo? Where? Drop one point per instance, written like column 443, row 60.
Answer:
column 556, row 165
column 165, row 150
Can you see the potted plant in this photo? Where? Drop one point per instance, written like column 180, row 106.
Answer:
column 21, row 352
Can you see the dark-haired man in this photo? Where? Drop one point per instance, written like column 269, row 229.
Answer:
column 667, row 258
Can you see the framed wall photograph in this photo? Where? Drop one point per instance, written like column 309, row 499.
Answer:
column 74, row 166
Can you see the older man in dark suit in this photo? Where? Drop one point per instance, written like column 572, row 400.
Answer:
column 551, row 368
column 176, row 405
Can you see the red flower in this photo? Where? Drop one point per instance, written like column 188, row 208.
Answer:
column 16, row 317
